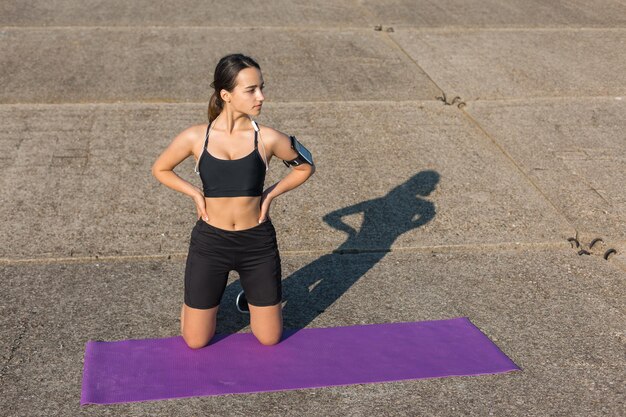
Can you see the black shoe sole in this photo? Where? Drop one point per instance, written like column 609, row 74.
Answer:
column 242, row 304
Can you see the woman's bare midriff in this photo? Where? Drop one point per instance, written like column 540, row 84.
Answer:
column 233, row 213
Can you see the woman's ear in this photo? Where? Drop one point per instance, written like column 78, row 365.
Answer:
column 225, row 95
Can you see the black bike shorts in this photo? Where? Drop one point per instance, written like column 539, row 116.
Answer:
column 213, row 252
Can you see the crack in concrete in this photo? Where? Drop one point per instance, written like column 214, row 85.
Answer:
column 461, row 104
column 395, row 44
column 518, row 167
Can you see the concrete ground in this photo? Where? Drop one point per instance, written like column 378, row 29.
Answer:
column 476, row 148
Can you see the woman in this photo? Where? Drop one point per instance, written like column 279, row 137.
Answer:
column 234, row 230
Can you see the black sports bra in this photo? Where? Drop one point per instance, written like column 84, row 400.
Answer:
column 231, row 177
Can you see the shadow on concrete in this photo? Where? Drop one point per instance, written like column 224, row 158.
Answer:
column 310, row 290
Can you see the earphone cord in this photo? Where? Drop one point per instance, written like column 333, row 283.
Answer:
column 256, row 127
column 264, row 153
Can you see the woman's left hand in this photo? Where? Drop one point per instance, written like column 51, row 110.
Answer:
column 265, row 206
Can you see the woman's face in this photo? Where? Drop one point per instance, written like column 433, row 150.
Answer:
column 247, row 96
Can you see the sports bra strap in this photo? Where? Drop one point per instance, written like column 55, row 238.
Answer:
column 206, row 142
column 206, row 139
column 255, row 141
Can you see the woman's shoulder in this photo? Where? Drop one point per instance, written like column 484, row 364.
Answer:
column 271, row 134
column 194, row 133
column 189, row 139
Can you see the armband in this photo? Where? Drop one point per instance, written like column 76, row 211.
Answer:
column 304, row 155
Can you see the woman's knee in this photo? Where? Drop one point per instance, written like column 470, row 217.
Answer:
column 269, row 338
column 198, row 326
column 197, row 341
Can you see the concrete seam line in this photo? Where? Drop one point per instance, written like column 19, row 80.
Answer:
column 450, row 29
column 163, row 103
column 355, row 251
column 443, row 29
column 207, row 27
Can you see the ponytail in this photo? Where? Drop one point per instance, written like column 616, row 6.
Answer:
column 216, row 105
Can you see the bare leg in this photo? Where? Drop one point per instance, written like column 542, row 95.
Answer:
column 198, row 325
column 182, row 318
column 267, row 323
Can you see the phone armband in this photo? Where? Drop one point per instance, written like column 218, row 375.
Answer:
column 304, row 155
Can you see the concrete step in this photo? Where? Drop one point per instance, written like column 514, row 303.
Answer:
column 573, row 150
column 525, row 63
column 556, row 315
column 401, row 174
column 454, row 14
column 232, row 14
column 323, row 13
column 63, row 65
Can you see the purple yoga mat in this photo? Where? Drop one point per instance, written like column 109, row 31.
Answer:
column 153, row 369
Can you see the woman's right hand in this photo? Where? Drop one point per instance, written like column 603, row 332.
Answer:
column 200, row 206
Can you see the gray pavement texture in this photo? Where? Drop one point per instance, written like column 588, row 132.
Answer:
column 461, row 142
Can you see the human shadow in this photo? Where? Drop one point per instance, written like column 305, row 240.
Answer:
column 309, row 291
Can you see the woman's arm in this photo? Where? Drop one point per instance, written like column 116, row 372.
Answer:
column 280, row 146
column 178, row 150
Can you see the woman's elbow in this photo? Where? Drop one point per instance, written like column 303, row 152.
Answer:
column 156, row 171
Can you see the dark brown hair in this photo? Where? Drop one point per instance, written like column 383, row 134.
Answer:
column 225, row 77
